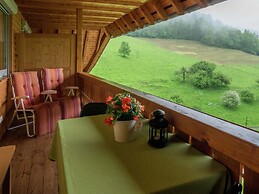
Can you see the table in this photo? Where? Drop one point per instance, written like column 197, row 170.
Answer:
column 89, row 160
column 6, row 155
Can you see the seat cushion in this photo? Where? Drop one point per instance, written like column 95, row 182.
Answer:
column 46, row 117
column 27, row 84
column 53, row 79
column 70, row 106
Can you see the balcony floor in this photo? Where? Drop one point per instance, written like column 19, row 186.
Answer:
column 32, row 171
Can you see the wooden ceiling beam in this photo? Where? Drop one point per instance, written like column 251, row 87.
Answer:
column 202, row 3
column 178, row 6
column 149, row 18
column 136, row 18
column 68, row 25
column 94, row 2
column 128, row 22
column 109, row 30
column 121, row 27
column 72, row 12
column 160, row 10
column 68, row 18
column 116, row 30
column 73, row 6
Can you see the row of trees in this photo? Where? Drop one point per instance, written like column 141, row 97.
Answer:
column 202, row 28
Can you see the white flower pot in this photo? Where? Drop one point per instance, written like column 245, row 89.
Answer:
column 123, row 130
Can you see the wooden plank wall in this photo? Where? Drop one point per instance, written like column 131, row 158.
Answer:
column 3, row 103
column 91, row 38
column 36, row 51
column 16, row 28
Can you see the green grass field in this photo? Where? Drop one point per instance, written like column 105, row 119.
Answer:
column 152, row 63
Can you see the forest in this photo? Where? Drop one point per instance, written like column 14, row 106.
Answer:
column 204, row 29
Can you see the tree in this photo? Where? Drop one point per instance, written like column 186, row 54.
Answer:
column 183, row 72
column 124, row 49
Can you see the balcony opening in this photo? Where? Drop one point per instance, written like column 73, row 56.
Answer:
column 159, row 60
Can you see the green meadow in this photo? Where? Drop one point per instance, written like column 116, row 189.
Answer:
column 151, row 67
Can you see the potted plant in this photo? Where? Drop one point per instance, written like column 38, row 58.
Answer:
column 123, row 110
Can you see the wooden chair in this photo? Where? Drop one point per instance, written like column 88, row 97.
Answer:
column 30, row 105
column 53, row 79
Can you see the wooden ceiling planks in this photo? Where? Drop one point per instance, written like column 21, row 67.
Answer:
column 117, row 17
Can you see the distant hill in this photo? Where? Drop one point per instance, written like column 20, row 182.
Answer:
column 202, row 28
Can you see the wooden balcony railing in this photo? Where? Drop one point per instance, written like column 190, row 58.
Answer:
column 234, row 146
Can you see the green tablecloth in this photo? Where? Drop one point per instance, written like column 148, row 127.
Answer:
column 89, row 161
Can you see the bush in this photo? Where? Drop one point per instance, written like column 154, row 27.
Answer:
column 246, row 96
column 177, row 99
column 220, row 80
column 230, row 99
column 202, row 66
column 203, row 76
column 200, row 80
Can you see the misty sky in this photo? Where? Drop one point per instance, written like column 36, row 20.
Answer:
column 242, row 14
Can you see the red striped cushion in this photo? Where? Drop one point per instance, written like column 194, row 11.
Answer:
column 53, row 79
column 70, row 107
column 27, row 83
column 46, row 117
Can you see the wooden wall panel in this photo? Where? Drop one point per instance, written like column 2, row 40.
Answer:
column 3, row 104
column 91, row 40
column 36, row 51
column 251, row 181
column 16, row 28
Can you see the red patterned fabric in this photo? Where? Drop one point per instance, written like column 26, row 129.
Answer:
column 27, row 84
column 46, row 117
column 53, row 80
column 70, row 106
column 46, row 113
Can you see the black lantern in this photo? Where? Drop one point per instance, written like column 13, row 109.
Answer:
column 158, row 130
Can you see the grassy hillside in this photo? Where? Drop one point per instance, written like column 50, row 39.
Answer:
column 152, row 63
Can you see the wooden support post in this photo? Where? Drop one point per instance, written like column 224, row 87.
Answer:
column 79, row 23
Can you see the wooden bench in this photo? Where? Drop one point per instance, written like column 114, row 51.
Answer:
column 6, row 155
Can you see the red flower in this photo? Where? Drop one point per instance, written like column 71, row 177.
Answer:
column 120, row 105
column 108, row 121
column 126, row 100
column 108, row 100
column 125, row 108
column 135, row 118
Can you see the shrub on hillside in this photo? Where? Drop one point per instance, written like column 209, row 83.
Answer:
column 219, row 80
column 201, row 80
column 202, row 66
column 230, row 99
column 177, row 99
column 203, row 75
column 246, row 96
